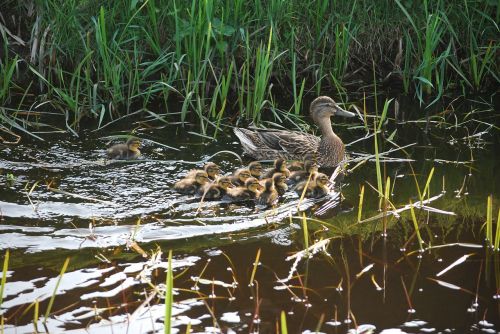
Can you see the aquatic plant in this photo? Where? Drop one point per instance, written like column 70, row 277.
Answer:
column 215, row 57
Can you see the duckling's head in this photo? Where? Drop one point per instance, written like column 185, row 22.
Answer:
column 279, row 178
column 201, row 177
column 243, row 174
column 225, row 182
column 310, row 166
column 255, row 169
column 324, row 107
column 253, row 185
column 269, row 185
column 212, row 169
column 321, row 179
column 280, row 164
column 133, row 144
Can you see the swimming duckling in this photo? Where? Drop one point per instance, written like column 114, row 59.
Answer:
column 316, row 187
column 279, row 180
column 191, row 186
column 251, row 190
column 302, row 175
column 255, row 169
column 127, row 151
column 279, row 167
column 269, row 195
column 216, row 190
column 211, row 168
column 240, row 176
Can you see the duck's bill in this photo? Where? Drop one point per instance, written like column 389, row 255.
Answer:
column 345, row 113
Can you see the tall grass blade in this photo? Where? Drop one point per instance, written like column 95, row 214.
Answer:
column 4, row 274
column 53, row 297
column 169, row 296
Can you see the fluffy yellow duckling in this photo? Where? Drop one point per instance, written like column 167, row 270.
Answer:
column 279, row 167
column 211, row 168
column 216, row 190
column 255, row 169
column 250, row 191
column 191, row 186
column 240, row 176
column 302, row 175
column 127, row 151
column 269, row 195
column 279, row 181
column 316, row 188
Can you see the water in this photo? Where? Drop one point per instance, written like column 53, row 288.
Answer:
column 104, row 216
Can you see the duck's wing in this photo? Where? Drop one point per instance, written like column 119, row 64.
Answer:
column 270, row 144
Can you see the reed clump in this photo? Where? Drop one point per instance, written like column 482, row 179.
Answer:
column 104, row 60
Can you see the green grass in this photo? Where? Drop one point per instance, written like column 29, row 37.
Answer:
column 102, row 60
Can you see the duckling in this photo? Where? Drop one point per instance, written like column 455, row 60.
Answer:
column 127, row 151
column 269, row 195
column 191, row 186
column 240, row 176
column 299, row 165
column 211, row 168
column 255, row 169
column 316, row 187
column 216, row 190
column 251, row 190
column 302, row 175
column 279, row 167
column 279, row 181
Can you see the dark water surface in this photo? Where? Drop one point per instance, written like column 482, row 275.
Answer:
column 101, row 210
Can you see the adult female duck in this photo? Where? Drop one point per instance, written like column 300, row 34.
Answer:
column 266, row 144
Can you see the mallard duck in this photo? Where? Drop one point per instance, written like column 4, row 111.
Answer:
column 240, row 176
column 191, row 186
column 216, row 190
column 316, row 187
column 255, row 169
column 279, row 181
column 302, row 175
column 279, row 167
column 211, row 168
column 269, row 195
column 265, row 144
column 127, row 151
column 251, row 190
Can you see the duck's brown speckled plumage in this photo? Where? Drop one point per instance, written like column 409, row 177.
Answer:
column 265, row 144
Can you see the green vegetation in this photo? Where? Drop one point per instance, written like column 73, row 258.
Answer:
column 106, row 60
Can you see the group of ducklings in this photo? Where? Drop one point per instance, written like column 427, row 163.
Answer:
column 250, row 183
column 255, row 183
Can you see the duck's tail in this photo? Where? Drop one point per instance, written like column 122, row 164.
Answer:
column 245, row 137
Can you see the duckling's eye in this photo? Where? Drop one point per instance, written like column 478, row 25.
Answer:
column 245, row 175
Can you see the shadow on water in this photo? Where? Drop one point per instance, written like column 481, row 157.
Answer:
column 61, row 199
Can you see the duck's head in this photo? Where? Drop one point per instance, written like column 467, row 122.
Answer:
column 321, row 179
column 279, row 178
column 280, row 164
column 255, row 169
column 310, row 166
column 243, row 174
column 201, row 177
column 225, row 182
column 212, row 169
column 325, row 107
column 253, row 185
column 133, row 144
